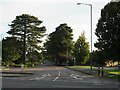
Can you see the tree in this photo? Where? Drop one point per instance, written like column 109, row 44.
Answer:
column 108, row 31
column 10, row 51
column 35, row 58
column 98, row 58
column 81, row 50
column 60, row 42
column 27, row 29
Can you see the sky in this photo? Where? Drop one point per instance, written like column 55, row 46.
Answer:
column 53, row 13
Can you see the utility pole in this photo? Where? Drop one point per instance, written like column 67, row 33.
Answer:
column 90, row 29
column 1, row 48
column 24, row 52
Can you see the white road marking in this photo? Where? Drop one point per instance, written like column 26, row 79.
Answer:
column 49, row 74
column 75, row 76
column 57, row 76
column 43, row 76
column 71, row 75
column 36, row 78
column 98, row 83
column 80, row 78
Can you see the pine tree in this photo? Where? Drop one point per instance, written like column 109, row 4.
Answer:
column 81, row 50
column 27, row 29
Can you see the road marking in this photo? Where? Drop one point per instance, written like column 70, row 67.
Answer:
column 71, row 75
column 36, row 78
column 75, row 76
column 58, row 75
column 98, row 83
column 43, row 76
column 49, row 74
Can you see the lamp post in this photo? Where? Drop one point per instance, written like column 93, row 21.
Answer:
column 1, row 48
column 67, row 57
column 91, row 30
column 24, row 43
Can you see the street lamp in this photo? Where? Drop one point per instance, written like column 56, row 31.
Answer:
column 1, row 48
column 91, row 30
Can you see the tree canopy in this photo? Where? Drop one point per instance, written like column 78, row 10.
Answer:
column 60, row 42
column 108, row 31
column 27, row 29
column 10, row 51
column 81, row 50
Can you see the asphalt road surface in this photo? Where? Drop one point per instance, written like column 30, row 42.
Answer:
column 57, row 77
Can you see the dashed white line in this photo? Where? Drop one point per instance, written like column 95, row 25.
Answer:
column 57, row 76
column 49, row 74
column 36, row 78
column 43, row 76
column 75, row 76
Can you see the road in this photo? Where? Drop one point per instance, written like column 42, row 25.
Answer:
column 57, row 77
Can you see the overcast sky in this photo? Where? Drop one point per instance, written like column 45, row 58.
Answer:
column 53, row 13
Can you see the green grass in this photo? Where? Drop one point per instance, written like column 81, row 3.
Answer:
column 112, row 72
column 86, row 67
column 12, row 75
column 116, row 73
column 114, row 76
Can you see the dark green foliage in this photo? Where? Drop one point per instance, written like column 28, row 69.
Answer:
column 98, row 57
column 10, row 51
column 26, row 29
column 60, row 42
column 30, row 26
column 81, row 50
column 108, row 31
column 34, row 58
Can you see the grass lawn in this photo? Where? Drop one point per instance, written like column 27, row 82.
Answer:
column 87, row 67
column 116, row 73
column 114, row 76
column 12, row 75
column 112, row 71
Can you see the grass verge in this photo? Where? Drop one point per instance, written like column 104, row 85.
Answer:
column 83, row 67
column 110, row 73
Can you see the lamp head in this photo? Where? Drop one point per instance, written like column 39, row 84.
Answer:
column 79, row 3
